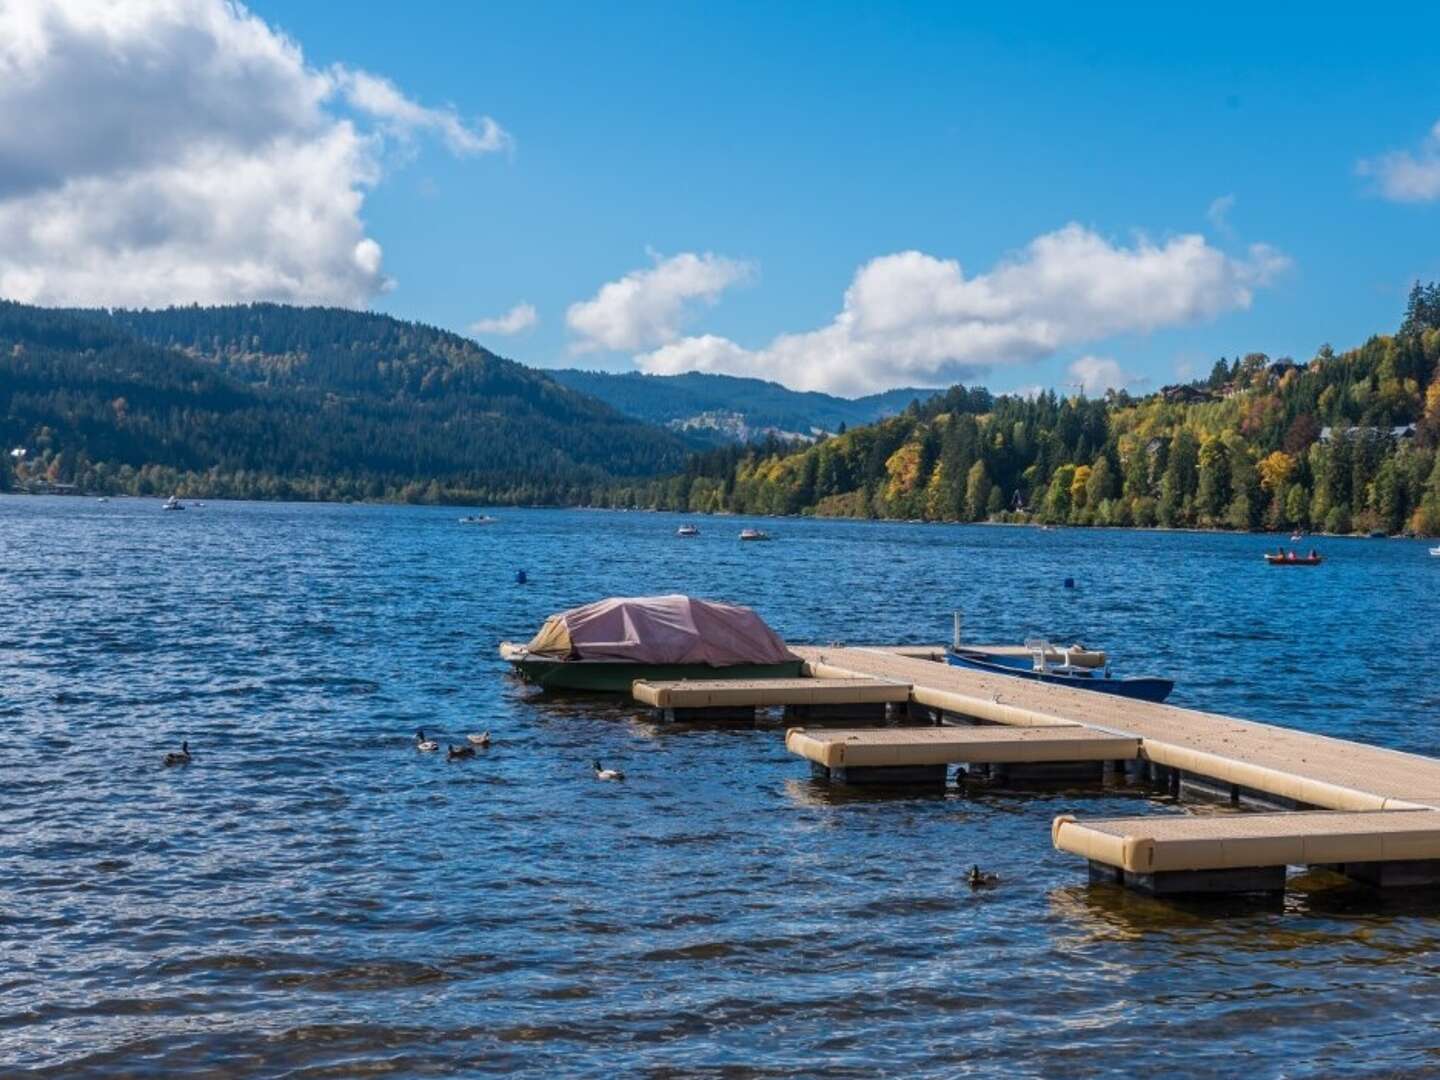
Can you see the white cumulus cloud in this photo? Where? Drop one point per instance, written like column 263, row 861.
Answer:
column 648, row 307
column 169, row 151
column 1093, row 375
column 914, row 319
column 518, row 319
column 381, row 99
column 1407, row 175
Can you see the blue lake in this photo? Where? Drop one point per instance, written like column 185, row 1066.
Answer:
column 312, row 897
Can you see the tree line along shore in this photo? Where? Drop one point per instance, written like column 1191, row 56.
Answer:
column 268, row 402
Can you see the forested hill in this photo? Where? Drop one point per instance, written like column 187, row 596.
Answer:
column 1340, row 443
column 725, row 408
column 270, row 401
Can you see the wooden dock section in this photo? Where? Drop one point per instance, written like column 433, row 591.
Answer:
column 738, row 699
column 1249, row 852
column 1305, row 769
column 1210, row 754
column 922, row 754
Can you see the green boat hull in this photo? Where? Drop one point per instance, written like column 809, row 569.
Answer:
column 615, row 678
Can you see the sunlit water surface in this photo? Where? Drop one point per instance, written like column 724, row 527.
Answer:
column 312, row 897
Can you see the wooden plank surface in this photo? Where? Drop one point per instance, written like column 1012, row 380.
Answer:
column 1166, row 842
column 740, row 693
column 876, row 747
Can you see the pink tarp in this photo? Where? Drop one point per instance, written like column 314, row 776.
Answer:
column 661, row 630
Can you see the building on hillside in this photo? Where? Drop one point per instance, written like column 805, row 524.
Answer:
column 1186, row 394
column 1351, row 434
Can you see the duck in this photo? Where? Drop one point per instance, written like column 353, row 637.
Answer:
column 602, row 773
column 181, row 757
column 482, row 740
column 422, row 743
column 980, row 879
column 453, row 752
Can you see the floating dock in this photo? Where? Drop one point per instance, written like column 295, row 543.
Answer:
column 892, row 755
column 1189, row 752
column 1249, row 852
column 739, row 699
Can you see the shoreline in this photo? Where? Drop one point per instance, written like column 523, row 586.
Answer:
column 1192, row 529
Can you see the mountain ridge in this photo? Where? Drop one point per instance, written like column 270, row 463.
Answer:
column 714, row 408
column 267, row 400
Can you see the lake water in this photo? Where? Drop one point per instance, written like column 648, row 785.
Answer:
column 312, row 897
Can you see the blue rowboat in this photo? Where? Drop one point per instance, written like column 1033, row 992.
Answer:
column 1078, row 668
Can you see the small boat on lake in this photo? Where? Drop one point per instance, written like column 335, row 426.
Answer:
column 1289, row 558
column 607, row 645
column 1074, row 666
column 1435, row 551
column 754, row 534
column 173, row 503
column 687, row 530
column 478, row 519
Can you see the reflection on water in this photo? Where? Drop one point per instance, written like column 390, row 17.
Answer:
column 312, row 896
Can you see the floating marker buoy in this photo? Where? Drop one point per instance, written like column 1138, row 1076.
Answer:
column 520, row 577
column 1069, row 583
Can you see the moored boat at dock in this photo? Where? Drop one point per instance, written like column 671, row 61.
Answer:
column 607, row 645
column 1074, row 666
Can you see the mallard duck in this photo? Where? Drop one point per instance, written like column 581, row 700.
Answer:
column 483, row 739
column 180, row 758
column 422, row 743
column 602, row 773
column 453, row 752
column 980, row 879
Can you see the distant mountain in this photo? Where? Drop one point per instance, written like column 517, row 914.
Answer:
column 725, row 408
column 263, row 400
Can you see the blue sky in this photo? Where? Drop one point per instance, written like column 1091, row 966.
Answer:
column 797, row 143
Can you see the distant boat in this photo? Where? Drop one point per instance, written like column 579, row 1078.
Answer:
column 1435, row 551
column 754, row 534
column 1296, row 537
column 478, row 519
column 173, row 503
column 687, row 530
column 1289, row 558
column 103, row 498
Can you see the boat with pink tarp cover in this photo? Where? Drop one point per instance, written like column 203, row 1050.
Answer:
column 607, row 645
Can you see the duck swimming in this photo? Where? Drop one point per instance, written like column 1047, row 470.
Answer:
column 602, row 773
column 483, row 739
column 179, row 758
column 980, row 879
column 422, row 743
column 453, row 752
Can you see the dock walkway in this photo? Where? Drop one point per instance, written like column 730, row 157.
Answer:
column 1309, row 769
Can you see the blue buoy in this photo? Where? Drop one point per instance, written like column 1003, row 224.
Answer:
column 520, row 577
column 1069, row 583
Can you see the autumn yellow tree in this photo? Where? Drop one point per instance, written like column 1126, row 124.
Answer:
column 1275, row 470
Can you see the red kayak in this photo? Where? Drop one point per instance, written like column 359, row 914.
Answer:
column 1292, row 559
